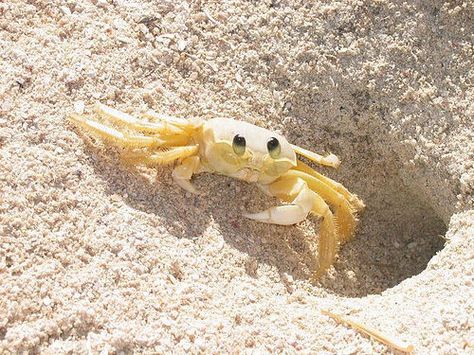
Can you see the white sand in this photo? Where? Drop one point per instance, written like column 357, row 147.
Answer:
column 97, row 258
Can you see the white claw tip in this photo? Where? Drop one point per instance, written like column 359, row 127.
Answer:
column 333, row 160
column 263, row 216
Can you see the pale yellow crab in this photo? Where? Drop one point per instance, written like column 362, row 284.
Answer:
column 245, row 152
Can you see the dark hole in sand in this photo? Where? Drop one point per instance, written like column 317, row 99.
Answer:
column 401, row 229
column 397, row 237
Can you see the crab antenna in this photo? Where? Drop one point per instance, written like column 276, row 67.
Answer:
column 329, row 160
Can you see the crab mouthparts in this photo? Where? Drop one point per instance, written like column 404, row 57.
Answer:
column 247, row 174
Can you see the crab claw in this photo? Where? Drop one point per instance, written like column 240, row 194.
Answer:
column 283, row 215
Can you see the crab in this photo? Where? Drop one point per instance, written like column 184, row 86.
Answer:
column 242, row 151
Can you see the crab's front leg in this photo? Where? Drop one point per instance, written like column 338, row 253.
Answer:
column 183, row 173
column 303, row 200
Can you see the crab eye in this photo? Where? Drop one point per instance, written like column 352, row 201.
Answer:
column 274, row 148
column 238, row 144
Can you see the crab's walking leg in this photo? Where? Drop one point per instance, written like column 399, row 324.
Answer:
column 303, row 200
column 346, row 220
column 187, row 125
column 154, row 158
column 164, row 128
column 171, row 132
column 328, row 239
column 117, row 137
column 183, row 173
column 355, row 201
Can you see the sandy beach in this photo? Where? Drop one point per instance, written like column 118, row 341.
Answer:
column 99, row 258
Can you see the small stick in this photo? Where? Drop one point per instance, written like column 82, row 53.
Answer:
column 370, row 332
column 212, row 19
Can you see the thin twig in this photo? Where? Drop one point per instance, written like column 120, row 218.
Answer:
column 210, row 18
column 408, row 349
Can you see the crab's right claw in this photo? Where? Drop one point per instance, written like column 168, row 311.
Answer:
column 329, row 160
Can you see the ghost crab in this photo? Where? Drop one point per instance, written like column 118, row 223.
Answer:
column 242, row 151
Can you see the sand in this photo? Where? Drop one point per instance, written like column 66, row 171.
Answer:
column 98, row 258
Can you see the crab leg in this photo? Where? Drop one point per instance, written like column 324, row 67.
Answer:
column 303, row 200
column 344, row 213
column 182, row 173
column 125, row 140
column 184, row 124
column 134, row 123
column 355, row 201
column 328, row 238
column 160, row 157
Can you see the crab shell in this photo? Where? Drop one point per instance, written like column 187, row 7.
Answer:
column 255, row 164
